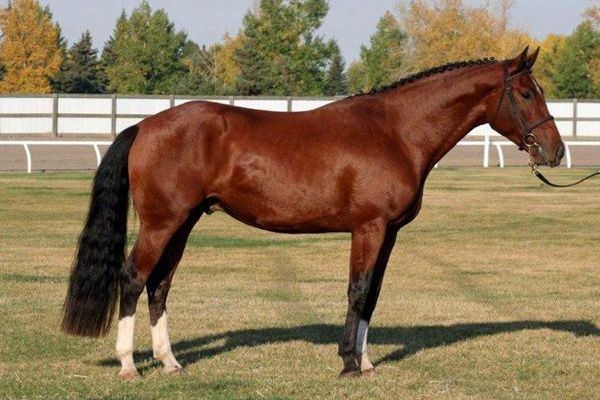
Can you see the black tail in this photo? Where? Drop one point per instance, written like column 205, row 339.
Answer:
column 94, row 282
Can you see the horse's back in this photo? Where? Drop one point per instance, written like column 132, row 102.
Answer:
column 301, row 171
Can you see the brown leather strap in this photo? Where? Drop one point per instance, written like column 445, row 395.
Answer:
column 542, row 178
column 525, row 128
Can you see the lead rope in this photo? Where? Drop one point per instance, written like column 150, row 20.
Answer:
column 529, row 139
column 541, row 177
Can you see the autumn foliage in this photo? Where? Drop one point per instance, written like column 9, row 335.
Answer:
column 29, row 49
column 448, row 30
column 278, row 50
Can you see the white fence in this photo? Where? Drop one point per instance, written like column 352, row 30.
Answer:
column 485, row 144
column 101, row 115
column 28, row 144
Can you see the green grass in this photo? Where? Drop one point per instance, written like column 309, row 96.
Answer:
column 492, row 293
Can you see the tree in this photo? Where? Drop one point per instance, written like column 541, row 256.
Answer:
column 255, row 75
column 280, row 53
column 227, row 69
column 443, row 31
column 29, row 50
column 573, row 78
column 383, row 60
column 202, row 76
column 144, row 54
column 357, row 78
column 336, row 82
column 593, row 16
column 81, row 71
column 545, row 68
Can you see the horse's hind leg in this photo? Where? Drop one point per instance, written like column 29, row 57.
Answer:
column 158, row 286
column 144, row 257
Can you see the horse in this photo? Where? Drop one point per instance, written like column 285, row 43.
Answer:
column 357, row 165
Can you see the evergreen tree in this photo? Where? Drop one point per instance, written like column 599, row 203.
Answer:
column 280, row 53
column 29, row 50
column 545, row 68
column 81, row 71
column 382, row 62
column 109, row 57
column 573, row 78
column 357, row 78
column 255, row 75
column 336, row 82
column 144, row 54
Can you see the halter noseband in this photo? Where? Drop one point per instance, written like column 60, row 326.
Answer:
column 526, row 130
column 529, row 140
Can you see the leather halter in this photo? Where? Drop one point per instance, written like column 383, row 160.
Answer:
column 528, row 138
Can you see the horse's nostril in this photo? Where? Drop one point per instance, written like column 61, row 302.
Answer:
column 560, row 152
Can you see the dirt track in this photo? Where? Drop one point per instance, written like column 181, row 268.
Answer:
column 48, row 158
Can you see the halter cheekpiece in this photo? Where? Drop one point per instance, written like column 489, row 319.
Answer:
column 528, row 138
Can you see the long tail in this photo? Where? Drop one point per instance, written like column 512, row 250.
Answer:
column 94, row 282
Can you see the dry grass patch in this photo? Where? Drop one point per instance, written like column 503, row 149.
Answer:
column 492, row 293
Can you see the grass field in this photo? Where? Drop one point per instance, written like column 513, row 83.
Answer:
column 492, row 293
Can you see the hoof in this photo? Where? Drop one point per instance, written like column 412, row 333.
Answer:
column 173, row 370
column 131, row 375
column 350, row 373
column 368, row 372
column 355, row 373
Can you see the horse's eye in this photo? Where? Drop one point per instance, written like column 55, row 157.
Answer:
column 526, row 95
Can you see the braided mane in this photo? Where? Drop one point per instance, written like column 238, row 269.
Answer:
column 430, row 72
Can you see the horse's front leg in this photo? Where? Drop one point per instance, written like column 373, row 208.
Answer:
column 372, row 244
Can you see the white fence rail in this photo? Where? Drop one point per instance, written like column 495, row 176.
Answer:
column 102, row 115
column 27, row 144
column 568, row 154
column 486, row 144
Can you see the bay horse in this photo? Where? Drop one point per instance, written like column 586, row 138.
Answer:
column 356, row 165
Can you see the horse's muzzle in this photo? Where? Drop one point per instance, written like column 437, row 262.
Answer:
column 560, row 153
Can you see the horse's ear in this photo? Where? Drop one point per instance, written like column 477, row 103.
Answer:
column 533, row 58
column 519, row 63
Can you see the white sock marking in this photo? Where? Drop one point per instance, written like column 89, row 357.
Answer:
column 124, row 346
column 361, row 337
column 161, row 345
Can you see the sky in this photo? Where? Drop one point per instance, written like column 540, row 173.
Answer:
column 351, row 22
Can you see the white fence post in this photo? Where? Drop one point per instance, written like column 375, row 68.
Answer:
column 500, row 154
column 574, row 117
column 113, row 116
column 26, row 144
column 98, row 155
column 28, row 154
column 486, row 150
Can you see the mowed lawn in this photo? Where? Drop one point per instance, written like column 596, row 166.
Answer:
column 493, row 292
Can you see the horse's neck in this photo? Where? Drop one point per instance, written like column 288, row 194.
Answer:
column 441, row 111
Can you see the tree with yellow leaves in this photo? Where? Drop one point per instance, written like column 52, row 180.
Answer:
column 442, row 31
column 29, row 49
column 592, row 15
column 227, row 69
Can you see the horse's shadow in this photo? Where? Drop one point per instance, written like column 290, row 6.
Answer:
column 410, row 340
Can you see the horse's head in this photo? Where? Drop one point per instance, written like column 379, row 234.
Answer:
column 520, row 112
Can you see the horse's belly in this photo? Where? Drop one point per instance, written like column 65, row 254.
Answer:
column 286, row 212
